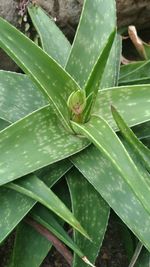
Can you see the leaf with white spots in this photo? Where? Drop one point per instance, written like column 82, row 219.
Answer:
column 103, row 137
column 109, row 79
column 135, row 73
column 51, row 78
column 33, row 187
column 97, row 238
column 50, row 35
column 24, row 99
column 93, row 213
column 33, row 248
column 111, row 72
column 32, row 240
column 18, row 96
column 94, row 80
column 142, row 151
column 90, row 38
column 133, row 102
column 33, row 142
column 100, row 172
column 39, row 246
column 14, row 206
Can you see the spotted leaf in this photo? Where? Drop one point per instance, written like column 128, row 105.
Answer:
column 50, row 78
column 50, row 35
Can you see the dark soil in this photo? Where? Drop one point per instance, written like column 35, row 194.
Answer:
column 6, row 250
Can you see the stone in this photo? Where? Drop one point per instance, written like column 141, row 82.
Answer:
column 8, row 10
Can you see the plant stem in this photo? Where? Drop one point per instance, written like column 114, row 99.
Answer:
column 52, row 238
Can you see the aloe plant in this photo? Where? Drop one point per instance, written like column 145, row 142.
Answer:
column 60, row 147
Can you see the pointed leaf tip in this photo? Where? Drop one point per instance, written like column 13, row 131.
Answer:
column 85, row 259
column 113, row 109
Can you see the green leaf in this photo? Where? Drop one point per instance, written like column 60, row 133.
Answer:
column 142, row 130
column 54, row 43
column 52, row 173
column 14, row 206
column 121, row 97
column 102, row 136
column 141, row 150
column 100, row 172
column 90, row 38
column 36, row 189
column 94, row 80
column 128, row 69
column 127, row 98
column 36, row 141
column 47, row 219
column 30, row 247
column 54, row 82
column 3, row 124
column 143, row 259
column 33, row 241
column 92, row 211
column 135, row 73
column 112, row 69
column 19, row 96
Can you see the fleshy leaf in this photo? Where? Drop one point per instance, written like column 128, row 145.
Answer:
column 18, row 96
column 92, row 211
column 54, row 43
column 134, row 98
column 24, row 254
column 94, row 80
column 36, row 189
column 135, row 73
column 100, row 172
column 14, row 206
column 47, row 219
column 112, row 69
column 35, row 141
column 121, row 97
column 85, row 53
column 3, row 124
column 141, row 150
column 142, row 130
column 32, row 239
column 54, row 82
column 102, row 136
